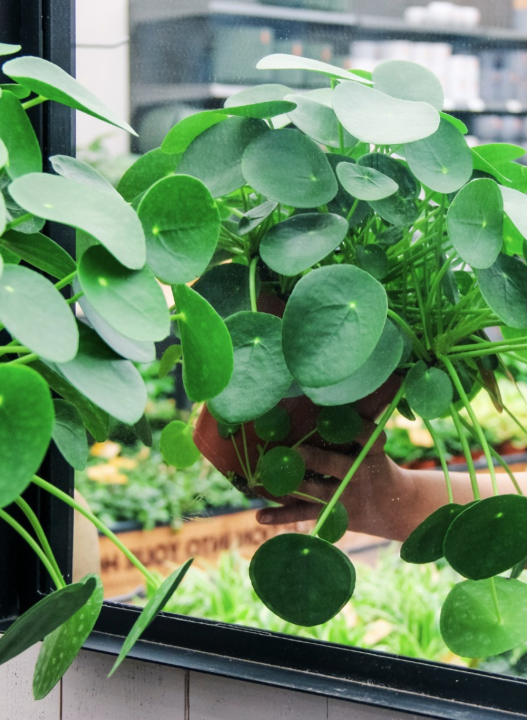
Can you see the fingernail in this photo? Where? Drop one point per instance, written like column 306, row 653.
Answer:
column 264, row 517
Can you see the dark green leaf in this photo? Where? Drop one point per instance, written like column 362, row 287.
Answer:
column 332, row 323
column 408, row 81
column 425, row 543
column 489, row 537
column 298, row 243
column 260, row 377
column 274, row 426
column 442, row 161
column 475, row 223
column 302, row 579
column 226, row 288
column 44, row 618
column 470, row 625
column 36, row 314
column 400, row 208
column 373, row 260
column 19, row 91
column 504, row 287
column 289, row 167
column 282, row 471
column 335, row 525
column 378, row 367
column 152, row 608
column 61, row 647
column 146, row 170
column 255, row 216
column 182, row 226
column 339, row 424
column 104, row 215
column 177, row 446
column 19, row 137
column 374, row 117
column 104, row 378
column 4, row 156
column 169, row 359
column 428, row 390
column 45, row 78
column 143, row 431
column 80, row 172
column 364, row 182
column 206, row 343
column 131, row 301
column 181, row 135
column 69, row 434
column 215, row 156
column 40, row 251
column 26, row 424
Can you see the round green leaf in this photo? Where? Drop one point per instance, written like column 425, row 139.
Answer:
column 282, row 471
column 400, row 208
column 365, row 183
column 69, row 434
column 425, row 543
column 456, row 122
column 215, row 156
column 135, row 350
column 41, row 252
column 335, row 525
column 182, row 226
column 104, row 215
column 374, row 117
column 188, row 129
column 470, row 625
column 153, row 606
column 489, row 537
column 17, row 90
column 36, row 314
column 302, row 579
column 260, row 101
column 475, row 223
column 146, row 170
column 269, row 109
column 428, row 390
column 45, row 78
column 18, row 137
column 289, row 167
column 260, row 377
column 384, row 359
column 80, row 172
column 104, row 378
column 408, row 81
column 373, row 260
column 44, row 617
column 332, row 323
column 26, row 424
column 169, row 359
column 281, row 61
column 226, row 288
column 274, row 426
column 515, row 205
column 339, row 424
column 504, row 288
column 206, row 344
column 61, row 647
column 298, row 243
column 131, row 301
column 343, row 201
column 315, row 117
column 177, row 445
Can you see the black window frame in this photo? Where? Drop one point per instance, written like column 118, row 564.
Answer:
column 46, row 28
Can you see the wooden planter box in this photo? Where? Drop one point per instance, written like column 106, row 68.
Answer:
column 163, row 548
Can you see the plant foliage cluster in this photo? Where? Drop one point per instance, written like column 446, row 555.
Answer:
column 392, row 246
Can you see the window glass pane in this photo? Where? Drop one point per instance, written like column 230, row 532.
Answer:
column 348, row 201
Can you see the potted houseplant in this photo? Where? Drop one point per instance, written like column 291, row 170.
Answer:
column 369, row 244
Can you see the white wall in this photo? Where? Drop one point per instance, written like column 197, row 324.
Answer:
column 142, row 690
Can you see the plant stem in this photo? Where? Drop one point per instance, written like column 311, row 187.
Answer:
column 239, row 458
column 41, row 535
column 417, row 344
column 353, row 208
column 18, row 221
column 466, row 452
column 98, row 524
column 302, row 440
column 35, row 101
column 59, row 582
column 25, row 360
column 311, row 498
column 252, row 283
column 495, row 600
column 250, row 478
column 73, row 299
column 466, row 402
column 65, row 280
column 177, row 316
column 8, row 349
column 355, row 466
column 442, row 458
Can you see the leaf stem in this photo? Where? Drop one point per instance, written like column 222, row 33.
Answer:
column 18, row 221
column 466, row 452
column 41, row 535
column 357, row 463
column 65, row 280
column 250, row 478
column 417, row 344
column 495, row 600
column 98, row 524
column 242, row 464
column 252, row 283
column 35, row 101
column 442, row 458
column 59, row 582
column 352, row 210
column 302, row 440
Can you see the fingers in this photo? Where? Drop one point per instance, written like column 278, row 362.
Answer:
column 325, row 462
column 295, row 512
